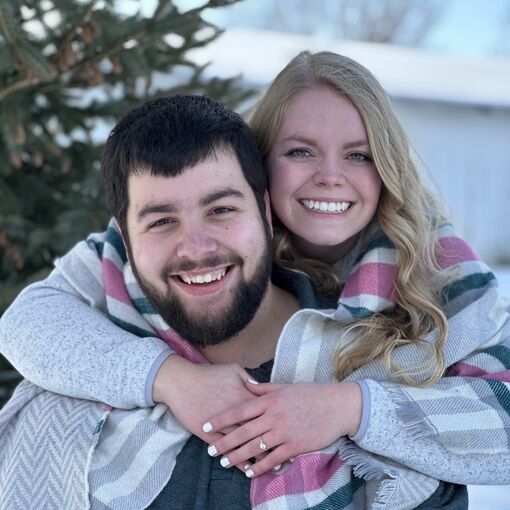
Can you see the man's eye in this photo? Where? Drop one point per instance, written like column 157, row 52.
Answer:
column 221, row 210
column 299, row 153
column 359, row 156
column 160, row 223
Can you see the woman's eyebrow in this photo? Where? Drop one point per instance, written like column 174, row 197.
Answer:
column 363, row 142
column 357, row 143
column 299, row 138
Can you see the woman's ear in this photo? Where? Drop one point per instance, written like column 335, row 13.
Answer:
column 269, row 218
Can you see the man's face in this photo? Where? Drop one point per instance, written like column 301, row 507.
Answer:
column 199, row 248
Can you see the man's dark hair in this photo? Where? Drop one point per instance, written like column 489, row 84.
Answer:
column 164, row 136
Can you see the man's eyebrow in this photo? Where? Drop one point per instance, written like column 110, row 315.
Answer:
column 155, row 208
column 222, row 193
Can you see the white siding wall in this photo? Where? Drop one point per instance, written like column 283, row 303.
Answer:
column 467, row 152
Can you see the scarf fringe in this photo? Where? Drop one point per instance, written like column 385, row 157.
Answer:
column 362, row 468
column 413, row 419
column 384, row 494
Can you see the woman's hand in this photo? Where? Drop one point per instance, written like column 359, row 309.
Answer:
column 194, row 392
column 288, row 419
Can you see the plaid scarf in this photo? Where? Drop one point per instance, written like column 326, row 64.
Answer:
column 455, row 430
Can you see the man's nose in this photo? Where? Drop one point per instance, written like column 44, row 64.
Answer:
column 329, row 173
column 195, row 242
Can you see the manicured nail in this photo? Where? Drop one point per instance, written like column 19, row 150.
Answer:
column 207, row 427
column 292, row 459
column 277, row 467
column 212, row 450
column 252, row 381
column 225, row 462
column 250, row 473
column 247, row 466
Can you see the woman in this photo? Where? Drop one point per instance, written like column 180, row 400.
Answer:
column 334, row 191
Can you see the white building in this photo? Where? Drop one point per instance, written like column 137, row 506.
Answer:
column 456, row 111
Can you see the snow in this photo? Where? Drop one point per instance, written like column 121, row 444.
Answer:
column 503, row 275
column 489, row 497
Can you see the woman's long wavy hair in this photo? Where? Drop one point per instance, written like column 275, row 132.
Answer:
column 407, row 213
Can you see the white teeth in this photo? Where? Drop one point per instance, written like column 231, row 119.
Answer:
column 203, row 278
column 333, row 207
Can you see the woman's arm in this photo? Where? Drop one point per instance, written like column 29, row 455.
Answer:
column 454, row 430
column 65, row 343
column 58, row 335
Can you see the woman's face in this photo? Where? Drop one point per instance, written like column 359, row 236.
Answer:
column 323, row 183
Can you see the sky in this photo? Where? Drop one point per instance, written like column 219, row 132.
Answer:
column 473, row 28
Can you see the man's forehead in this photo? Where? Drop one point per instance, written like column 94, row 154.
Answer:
column 215, row 178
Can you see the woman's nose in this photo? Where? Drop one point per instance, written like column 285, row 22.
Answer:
column 329, row 173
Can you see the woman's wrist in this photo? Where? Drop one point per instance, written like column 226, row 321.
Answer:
column 168, row 376
column 351, row 403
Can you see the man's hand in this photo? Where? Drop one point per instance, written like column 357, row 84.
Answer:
column 288, row 419
column 194, row 392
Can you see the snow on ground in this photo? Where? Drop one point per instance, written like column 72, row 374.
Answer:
column 489, row 497
column 503, row 275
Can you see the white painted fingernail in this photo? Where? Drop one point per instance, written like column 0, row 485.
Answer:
column 252, row 381
column 212, row 450
column 292, row 459
column 250, row 473
column 247, row 466
column 225, row 462
column 277, row 467
column 207, row 427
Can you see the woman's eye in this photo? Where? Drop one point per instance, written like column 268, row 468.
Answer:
column 359, row 156
column 299, row 153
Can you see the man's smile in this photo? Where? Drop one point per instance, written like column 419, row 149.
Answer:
column 205, row 277
column 203, row 282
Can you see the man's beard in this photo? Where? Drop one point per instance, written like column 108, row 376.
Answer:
column 210, row 329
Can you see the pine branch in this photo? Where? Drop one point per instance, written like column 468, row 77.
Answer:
column 18, row 85
column 74, row 29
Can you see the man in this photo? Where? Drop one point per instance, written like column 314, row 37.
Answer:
column 185, row 182
column 186, row 186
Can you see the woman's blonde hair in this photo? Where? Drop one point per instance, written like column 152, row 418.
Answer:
column 407, row 214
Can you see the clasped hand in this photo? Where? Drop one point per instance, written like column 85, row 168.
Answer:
column 290, row 419
column 285, row 420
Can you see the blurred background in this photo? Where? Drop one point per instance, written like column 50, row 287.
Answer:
column 69, row 69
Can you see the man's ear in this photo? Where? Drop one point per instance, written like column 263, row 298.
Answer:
column 269, row 218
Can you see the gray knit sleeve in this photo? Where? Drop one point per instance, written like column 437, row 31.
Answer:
column 65, row 343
